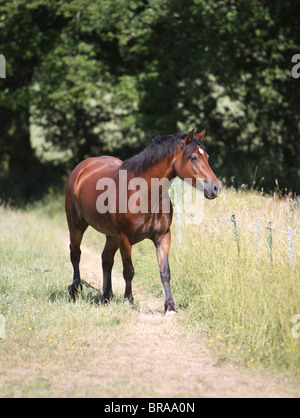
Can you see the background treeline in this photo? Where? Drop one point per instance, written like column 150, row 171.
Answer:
column 87, row 77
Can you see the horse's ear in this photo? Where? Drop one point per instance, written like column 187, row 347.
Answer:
column 188, row 138
column 201, row 135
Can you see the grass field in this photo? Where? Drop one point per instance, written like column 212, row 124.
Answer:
column 241, row 303
column 42, row 327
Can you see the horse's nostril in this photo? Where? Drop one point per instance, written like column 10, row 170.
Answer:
column 217, row 189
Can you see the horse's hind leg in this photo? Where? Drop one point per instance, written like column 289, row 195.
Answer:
column 108, row 255
column 77, row 229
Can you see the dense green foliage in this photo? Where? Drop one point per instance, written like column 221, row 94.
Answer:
column 101, row 76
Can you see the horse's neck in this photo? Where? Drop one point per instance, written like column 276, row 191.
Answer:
column 162, row 170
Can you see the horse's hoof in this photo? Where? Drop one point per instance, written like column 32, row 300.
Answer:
column 74, row 291
column 130, row 300
column 170, row 308
column 106, row 298
column 171, row 313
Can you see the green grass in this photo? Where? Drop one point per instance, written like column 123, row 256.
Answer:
column 44, row 331
column 242, row 302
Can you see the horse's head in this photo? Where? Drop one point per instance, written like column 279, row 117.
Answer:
column 191, row 162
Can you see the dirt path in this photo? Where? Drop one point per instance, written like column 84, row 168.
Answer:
column 157, row 355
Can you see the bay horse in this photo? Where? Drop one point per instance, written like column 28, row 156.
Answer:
column 166, row 157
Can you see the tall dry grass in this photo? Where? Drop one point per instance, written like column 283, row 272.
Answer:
column 242, row 301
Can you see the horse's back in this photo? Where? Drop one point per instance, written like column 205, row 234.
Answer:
column 96, row 165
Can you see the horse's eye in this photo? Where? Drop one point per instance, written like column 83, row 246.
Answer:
column 194, row 158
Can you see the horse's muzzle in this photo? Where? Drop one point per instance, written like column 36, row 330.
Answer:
column 212, row 190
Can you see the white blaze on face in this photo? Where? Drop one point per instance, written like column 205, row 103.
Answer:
column 200, row 150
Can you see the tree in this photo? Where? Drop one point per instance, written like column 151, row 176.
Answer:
column 27, row 29
column 102, row 76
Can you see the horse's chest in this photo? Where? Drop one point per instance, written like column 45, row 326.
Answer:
column 149, row 227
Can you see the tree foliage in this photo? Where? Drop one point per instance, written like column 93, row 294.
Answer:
column 103, row 75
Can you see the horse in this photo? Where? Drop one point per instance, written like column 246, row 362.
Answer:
column 166, row 157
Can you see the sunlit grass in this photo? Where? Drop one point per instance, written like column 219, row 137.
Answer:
column 243, row 302
column 44, row 331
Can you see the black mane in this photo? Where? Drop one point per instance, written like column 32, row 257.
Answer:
column 157, row 150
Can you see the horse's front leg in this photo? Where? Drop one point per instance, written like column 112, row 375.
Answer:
column 128, row 269
column 162, row 250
